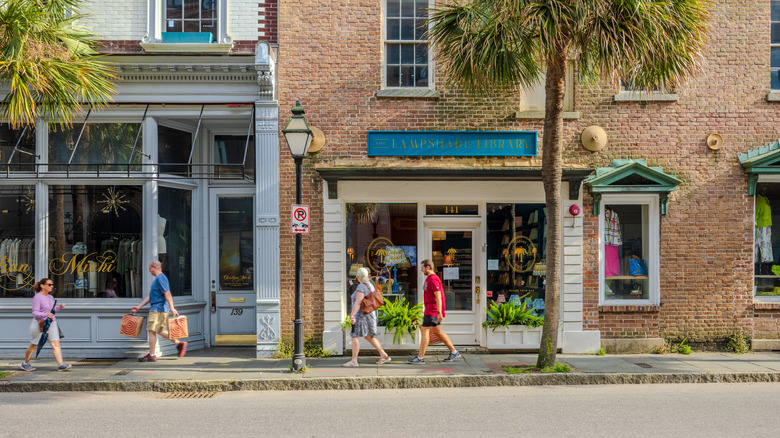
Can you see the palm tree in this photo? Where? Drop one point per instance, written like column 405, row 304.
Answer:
column 484, row 45
column 48, row 64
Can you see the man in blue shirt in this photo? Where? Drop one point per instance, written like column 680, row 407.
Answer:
column 160, row 303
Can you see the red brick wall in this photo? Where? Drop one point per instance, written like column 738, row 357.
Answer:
column 267, row 21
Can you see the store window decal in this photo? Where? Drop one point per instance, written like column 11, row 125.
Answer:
column 236, row 255
column 17, row 241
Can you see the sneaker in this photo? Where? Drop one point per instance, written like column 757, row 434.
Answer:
column 63, row 367
column 27, row 367
column 182, row 347
column 454, row 355
column 416, row 361
column 148, row 358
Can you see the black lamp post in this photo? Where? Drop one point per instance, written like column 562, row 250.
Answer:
column 299, row 137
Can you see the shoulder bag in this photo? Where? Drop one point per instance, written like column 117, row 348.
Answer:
column 373, row 300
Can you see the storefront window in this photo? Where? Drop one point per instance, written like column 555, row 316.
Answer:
column 102, row 147
column 95, row 241
column 629, row 249
column 765, row 252
column 383, row 239
column 231, row 150
column 174, row 238
column 17, row 241
column 516, row 262
column 236, row 243
column 173, row 146
column 23, row 158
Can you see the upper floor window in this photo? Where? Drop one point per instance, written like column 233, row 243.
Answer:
column 189, row 16
column 658, row 92
column 407, row 57
column 775, row 45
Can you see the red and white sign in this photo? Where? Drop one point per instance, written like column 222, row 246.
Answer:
column 300, row 219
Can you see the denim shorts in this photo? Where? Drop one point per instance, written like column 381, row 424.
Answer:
column 430, row 321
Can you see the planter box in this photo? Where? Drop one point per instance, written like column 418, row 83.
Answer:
column 516, row 337
column 187, row 37
column 386, row 339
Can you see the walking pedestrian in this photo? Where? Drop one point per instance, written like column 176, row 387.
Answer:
column 42, row 306
column 433, row 314
column 160, row 303
column 363, row 324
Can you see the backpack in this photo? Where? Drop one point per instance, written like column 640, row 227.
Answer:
column 373, row 300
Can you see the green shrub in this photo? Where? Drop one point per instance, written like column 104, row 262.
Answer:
column 511, row 313
column 737, row 344
column 401, row 317
column 285, row 349
column 684, row 349
column 602, row 352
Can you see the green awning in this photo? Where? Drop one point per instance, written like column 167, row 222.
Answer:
column 762, row 161
column 631, row 176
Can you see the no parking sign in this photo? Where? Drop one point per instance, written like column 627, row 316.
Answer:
column 300, row 219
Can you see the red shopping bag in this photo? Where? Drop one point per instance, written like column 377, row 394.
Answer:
column 177, row 328
column 131, row 325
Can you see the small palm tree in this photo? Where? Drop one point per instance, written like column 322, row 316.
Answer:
column 500, row 44
column 48, row 63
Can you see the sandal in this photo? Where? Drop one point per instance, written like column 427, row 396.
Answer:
column 381, row 361
column 350, row 364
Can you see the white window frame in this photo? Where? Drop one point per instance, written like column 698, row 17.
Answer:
column 413, row 91
column 653, row 240
column 661, row 94
column 762, row 179
column 155, row 25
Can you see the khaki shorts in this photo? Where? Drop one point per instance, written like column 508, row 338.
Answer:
column 157, row 322
column 35, row 332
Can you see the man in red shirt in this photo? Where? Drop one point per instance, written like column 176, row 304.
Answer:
column 433, row 315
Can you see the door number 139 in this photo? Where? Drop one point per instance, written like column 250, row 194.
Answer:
column 236, row 311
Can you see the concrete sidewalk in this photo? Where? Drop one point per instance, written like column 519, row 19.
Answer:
column 231, row 369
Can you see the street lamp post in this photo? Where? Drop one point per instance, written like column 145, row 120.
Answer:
column 298, row 135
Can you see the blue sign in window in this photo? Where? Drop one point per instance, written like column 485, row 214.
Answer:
column 452, row 143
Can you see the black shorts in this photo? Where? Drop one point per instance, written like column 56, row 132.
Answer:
column 430, row 321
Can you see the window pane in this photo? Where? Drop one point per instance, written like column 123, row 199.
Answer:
column 17, row 241
column 174, row 243
column 516, row 257
column 422, row 8
column 775, row 33
column 625, row 253
column 421, row 54
column 191, row 26
column 407, row 76
column 108, row 144
column 393, row 29
column 393, row 76
column 173, row 146
column 775, row 10
column 173, row 26
column 208, row 26
column 173, row 9
column 393, row 8
column 96, row 237
column 21, row 161
column 420, row 29
column 767, row 200
column 236, row 243
column 191, row 8
column 231, row 149
column 421, row 74
column 407, row 8
column 453, row 249
column 393, row 53
column 383, row 239
column 407, row 29
column 775, row 57
column 775, row 79
column 407, row 54
column 208, row 7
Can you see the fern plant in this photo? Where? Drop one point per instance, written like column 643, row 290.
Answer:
column 511, row 313
column 401, row 317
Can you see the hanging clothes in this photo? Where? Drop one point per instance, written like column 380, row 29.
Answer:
column 612, row 239
column 762, row 248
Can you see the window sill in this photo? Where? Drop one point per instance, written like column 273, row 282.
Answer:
column 641, row 96
column 187, row 47
column 766, row 305
column 540, row 115
column 630, row 308
column 773, row 96
column 412, row 93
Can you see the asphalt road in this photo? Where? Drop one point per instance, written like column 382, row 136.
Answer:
column 684, row 410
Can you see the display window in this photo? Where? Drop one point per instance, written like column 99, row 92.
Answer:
column 23, row 158
column 174, row 238
column 236, row 248
column 236, row 153
column 173, row 146
column 97, row 147
column 95, row 243
column 765, row 248
column 516, row 256
column 17, row 241
column 629, row 249
column 383, row 239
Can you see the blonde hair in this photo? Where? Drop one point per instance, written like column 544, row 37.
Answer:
column 362, row 275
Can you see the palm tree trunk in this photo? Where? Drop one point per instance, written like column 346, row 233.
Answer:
column 552, row 171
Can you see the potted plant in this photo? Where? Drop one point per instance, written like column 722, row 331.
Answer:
column 402, row 319
column 512, row 325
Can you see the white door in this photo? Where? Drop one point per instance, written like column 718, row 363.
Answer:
column 232, row 280
column 453, row 250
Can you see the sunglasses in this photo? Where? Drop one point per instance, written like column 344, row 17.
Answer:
column 49, row 284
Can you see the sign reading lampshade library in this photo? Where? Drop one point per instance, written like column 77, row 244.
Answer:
column 452, row 143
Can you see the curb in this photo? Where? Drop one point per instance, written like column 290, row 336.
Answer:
column 407, row 382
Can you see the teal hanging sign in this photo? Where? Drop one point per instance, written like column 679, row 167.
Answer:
column 452, row 143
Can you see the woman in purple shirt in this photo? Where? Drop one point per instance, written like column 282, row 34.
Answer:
column 42, row 305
